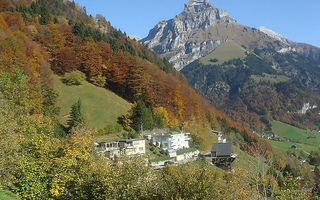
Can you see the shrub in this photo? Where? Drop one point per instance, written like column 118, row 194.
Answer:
column 214, row 60
column 99, row 80
column 110, row 129
column 74, row 78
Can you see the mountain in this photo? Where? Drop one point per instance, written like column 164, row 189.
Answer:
column 184, row 39
column 199, row 30
column 255, row 76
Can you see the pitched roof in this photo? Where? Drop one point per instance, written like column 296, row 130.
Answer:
column 222, row 149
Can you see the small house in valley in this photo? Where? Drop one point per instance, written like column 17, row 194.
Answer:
column 222, row 155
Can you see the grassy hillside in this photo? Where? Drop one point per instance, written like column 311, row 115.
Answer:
column 102, row 107
column 295, row 134
column 5, row 195
column 283, row 147
column 226, row 51
column 304, row 140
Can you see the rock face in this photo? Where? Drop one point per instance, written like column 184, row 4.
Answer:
column 185, row 38
column 275, row 35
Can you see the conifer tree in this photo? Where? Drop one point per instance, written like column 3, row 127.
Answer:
column 142, row 116
column 76, row 116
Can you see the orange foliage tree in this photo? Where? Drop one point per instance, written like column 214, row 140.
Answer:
column 89, row 59
column 65, row 60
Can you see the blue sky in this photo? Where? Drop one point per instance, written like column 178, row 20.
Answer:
column 299, row 20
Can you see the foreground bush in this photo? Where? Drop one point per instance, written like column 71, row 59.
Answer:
column 74, row 78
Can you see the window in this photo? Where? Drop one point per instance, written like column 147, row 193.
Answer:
column 140, row 148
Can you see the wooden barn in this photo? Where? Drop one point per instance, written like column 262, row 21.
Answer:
column 222, row 155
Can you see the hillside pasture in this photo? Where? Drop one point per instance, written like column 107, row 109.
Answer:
column 226, row 51
column 304, row 140
column 295, row 134
column 101, row 106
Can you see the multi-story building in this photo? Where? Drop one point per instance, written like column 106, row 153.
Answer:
column 122, row 147
column 175, row 141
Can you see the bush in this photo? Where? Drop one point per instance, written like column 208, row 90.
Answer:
column 131, row 134
column 74, row 78
column 110, row 129
column 99, row 80
column 214, row 60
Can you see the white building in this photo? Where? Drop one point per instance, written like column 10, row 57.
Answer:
column 133, row 146
column 122, row 147
column 172, row 142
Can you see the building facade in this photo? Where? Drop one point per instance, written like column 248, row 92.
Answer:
column 222, row 155
column 172, row 142
column 127, row 147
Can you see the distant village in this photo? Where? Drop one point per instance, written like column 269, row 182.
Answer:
column 176, row 145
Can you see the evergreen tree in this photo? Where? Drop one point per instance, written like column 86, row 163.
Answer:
column 142, row 116
column 76, row 116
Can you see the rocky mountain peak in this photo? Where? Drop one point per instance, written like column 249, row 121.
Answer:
column 197, row 5
column 187, row 37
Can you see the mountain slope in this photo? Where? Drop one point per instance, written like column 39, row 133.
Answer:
column 253, row 76
column 101, row 107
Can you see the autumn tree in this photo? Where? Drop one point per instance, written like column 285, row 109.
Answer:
column 65, row 60
column 15, row 21
column 14, row 88
column 117, row 72
column 4, row 4
column 160, row 117
column 9, row 143
column 138, row 81
column 178, row 102
column 88, row 56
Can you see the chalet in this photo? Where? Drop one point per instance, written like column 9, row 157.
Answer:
column 222, row 155
column 122, row 147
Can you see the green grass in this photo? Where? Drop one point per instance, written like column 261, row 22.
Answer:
column 282, row 146
column 245, row 161
column 268, row 78
column 107, row 137
column 226, row 51
column 6, row 195
column 101, row 107
column 295, row 134
column 204, row 163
